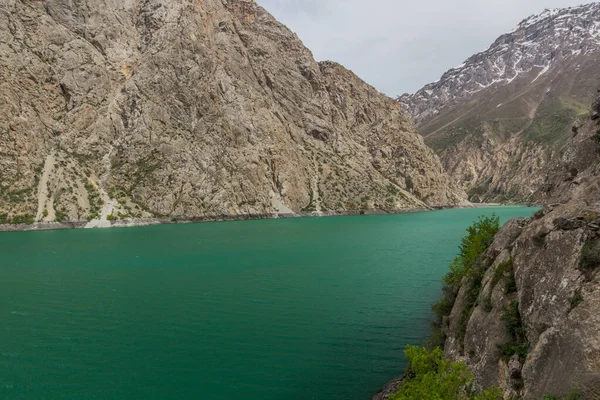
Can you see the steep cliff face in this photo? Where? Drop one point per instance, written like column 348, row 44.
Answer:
column 191, row 107
column 534, row 327
column 502, row 116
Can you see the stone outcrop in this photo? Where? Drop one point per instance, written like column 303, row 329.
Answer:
column 139, row 108
column 548, row 268
column 500, row 119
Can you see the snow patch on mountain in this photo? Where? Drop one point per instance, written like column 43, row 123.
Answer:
column 542, row 72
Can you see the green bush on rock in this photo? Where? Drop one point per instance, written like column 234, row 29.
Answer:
column 465, row 269
column 479, row 237
column 518, row 343
column 500, row 272
column 590, row 256
column 22, row 219
column 574, row 395
column 430, row 376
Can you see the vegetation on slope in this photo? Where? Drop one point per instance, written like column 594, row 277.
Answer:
column 518, row 343
column 431, row 376
column 575, row 395
column 466, row 269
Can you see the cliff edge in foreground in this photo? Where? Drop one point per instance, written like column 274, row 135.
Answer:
column 521, row 304
column 532, row 327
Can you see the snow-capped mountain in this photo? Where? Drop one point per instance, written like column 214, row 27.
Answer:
column 499, row 120
column 536, row 44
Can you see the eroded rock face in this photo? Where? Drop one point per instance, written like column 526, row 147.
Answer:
column 556, row 267
column 155, row 107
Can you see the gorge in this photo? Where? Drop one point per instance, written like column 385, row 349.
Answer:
column 118, row 113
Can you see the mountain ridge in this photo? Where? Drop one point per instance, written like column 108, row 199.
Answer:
column 473, row 76
column 500, row 119
column 141, row 109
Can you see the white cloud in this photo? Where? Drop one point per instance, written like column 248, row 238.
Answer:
column 400, row 45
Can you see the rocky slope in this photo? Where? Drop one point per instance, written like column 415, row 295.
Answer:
column 498, row 119
column 130, row 109
column 533, row 329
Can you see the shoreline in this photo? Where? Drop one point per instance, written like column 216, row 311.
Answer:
column 50, row 226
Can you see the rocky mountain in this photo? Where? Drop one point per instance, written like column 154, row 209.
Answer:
column 502, row 116
column 531, row 327
column 129, row 109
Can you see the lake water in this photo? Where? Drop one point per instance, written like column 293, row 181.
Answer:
column 294, row 309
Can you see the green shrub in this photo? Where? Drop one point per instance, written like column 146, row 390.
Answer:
column 93, row 216
column 574, row 395
column 95, row 201
column 488, row 306
column 441, row 309
column 479, row 237
column 590, row 256
column 61, row 216
column 19, row 195
column 518, row 343
column 500, row 271
column 576, row 299
column 112, row 217
column 243, row 203
column 510, row 348
column 431, row 376
column 22, row 219
column 393, row 190
column 465, row 267
column 470, row 303
column 3, row 219
column 510, row 286
column 310, row 207
column 512, row 318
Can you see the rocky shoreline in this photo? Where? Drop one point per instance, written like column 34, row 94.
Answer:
column 47, row 226
column 389, row 389
column 209, row 218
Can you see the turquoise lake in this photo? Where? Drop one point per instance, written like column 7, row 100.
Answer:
column 295, row 309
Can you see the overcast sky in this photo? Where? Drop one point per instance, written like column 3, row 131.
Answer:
column 400, row 45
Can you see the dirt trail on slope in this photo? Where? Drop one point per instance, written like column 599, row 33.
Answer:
column 45, row 201
column 314, row 183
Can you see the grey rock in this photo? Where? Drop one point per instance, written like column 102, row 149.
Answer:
column 143, row 108
column 561, row 328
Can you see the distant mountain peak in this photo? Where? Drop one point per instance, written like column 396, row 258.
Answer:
column 550, row 14
column 537, row 42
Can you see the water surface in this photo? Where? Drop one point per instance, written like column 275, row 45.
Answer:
column 295, row 309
